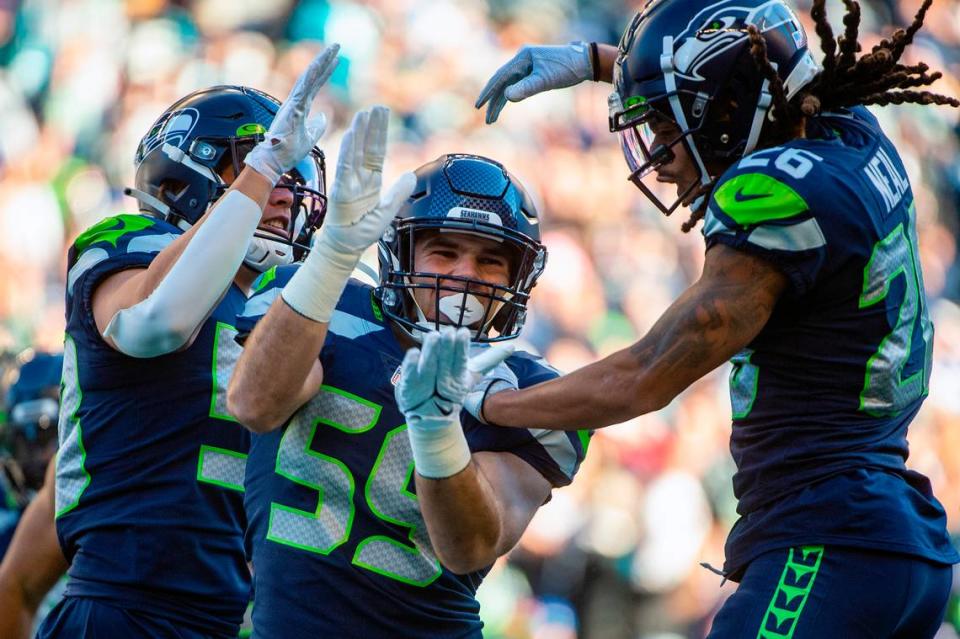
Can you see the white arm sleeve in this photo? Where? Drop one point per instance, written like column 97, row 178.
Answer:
column 184, row 298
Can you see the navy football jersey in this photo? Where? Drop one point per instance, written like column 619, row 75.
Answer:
column 823, row 396
column 149, row 492
column 340, row 548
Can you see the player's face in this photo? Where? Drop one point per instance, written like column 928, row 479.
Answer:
column 681, row 170
column 276, row 215
column 459, row 254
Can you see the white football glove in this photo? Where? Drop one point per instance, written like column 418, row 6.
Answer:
column 356, row 217
column 434, row 382
column 356, row 214
column 292, row 135
column 535, row 69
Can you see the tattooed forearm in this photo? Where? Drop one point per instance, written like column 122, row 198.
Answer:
column 710, row 322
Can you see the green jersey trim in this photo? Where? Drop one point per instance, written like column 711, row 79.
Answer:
column 112, row 229
column 754, row 198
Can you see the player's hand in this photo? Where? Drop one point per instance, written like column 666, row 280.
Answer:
column 535, row 69
column 434, row 379
column 356, row 213
column 356, row 217
column 488, row 375
column 292, row 135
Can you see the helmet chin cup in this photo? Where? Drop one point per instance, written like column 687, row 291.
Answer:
column 263, row 254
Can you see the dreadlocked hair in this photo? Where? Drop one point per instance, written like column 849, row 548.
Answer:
column 847, row 80
column 702, row 198
column 876, row 77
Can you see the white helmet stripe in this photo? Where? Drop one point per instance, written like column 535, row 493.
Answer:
column 669, row 78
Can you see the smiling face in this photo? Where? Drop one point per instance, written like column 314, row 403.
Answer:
column 460, row 255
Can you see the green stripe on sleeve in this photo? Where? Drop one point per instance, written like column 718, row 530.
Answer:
column 753, row 198
column 264, row 279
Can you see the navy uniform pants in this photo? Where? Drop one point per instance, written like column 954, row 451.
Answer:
column 89, row 618
column 832, row 592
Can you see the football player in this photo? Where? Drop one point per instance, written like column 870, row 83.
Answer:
column 29, row 436
column 811, row 287
column 150, row 466
column 374, row 515
column 32, row 563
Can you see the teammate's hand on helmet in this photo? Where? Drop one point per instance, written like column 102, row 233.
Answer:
column 357, row 215
column 292, row 135
column 535, row 69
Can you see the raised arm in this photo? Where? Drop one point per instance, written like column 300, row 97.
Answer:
column 279, row 369
column 32, row 565
column 156, row 310
column 709, row 323
column 535, row 69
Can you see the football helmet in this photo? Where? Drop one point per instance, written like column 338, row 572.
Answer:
column 30, row 432
column 689, row 62
column 462, row 193
column 182, row 159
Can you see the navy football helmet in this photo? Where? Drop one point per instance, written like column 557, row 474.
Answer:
column 182, row 159
column 29, row 434
column 689, row 62
column 461, row 193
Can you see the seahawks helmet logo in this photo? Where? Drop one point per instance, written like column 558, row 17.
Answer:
column 175, row 129
column 722, row 26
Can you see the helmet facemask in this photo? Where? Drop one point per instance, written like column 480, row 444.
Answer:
column 492, row 311
column 308, row 207
column 690, row 63
column 637, row 127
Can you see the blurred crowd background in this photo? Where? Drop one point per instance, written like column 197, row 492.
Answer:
column 617, row 554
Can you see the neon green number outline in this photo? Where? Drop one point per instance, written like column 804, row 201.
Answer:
column 222, row 337
column 884, row 391
column 315, row 421
column 347, row 429
column 315, row 515
column 413, row 549
column 69, row 416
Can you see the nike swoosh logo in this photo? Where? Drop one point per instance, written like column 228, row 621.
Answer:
column 740, row 196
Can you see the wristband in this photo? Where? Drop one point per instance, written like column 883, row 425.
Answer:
column 439, row 446
column 315, row 288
